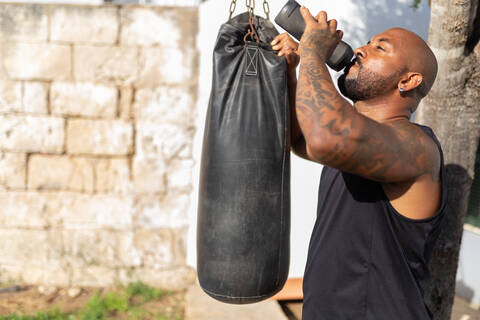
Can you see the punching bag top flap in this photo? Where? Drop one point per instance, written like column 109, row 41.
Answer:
column 264, row 28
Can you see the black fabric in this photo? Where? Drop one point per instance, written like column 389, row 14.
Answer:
column 244, row 197
column 366, row 260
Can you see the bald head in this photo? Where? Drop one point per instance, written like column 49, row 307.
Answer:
column 418, row 57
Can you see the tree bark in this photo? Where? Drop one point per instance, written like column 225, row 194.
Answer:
column 452, row 109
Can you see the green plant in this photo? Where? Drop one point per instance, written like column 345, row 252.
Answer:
column 146, row 292
column 42, row 315
column 108, row 306
column 94, row 309
column 97, row 307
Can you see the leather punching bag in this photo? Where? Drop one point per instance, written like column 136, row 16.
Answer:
column 243, row 227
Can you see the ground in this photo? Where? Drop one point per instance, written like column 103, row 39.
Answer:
column 137, row 301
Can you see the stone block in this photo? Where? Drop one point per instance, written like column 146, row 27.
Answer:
column 35, row 61
column 147, row 26
column 179, row 245
column 167, row 211
column 84, row 24
column 10, row 96
column 52, row 172
column 163, row 139
column 13, row 167
column 104, row 63
column 46, row 275
column 32, row 98
column 93, row 276
column 31, row 134
column 99, row 137
column 35, row 96
column 148, row 174
column 83, row 99
column 156, row 248
column 160, row 66
column 23, row 22
column 23, row 247
column 126, row 102
column 22, row 210
column 170, row 104
column 80, row 211
column 180, row 174
column 113, row 176
column 83, row 248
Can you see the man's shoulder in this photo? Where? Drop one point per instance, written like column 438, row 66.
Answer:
column 423, row 146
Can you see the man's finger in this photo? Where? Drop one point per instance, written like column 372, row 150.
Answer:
column 279, row 38
column 276, row 40
column 340, row 34
column 332, row 24
column 322, row 18
column 307, row 16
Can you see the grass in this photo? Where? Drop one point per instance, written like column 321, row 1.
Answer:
column 125, row 302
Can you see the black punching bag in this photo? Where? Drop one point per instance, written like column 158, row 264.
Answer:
column 243, row 226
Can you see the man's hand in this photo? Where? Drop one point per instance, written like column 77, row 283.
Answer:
column 320, row 38
column 287, row 47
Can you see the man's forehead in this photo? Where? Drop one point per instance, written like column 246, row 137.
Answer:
column 395, row 36
column 386, row 36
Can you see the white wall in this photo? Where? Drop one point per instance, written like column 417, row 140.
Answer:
column 468, row 277
column 360, row 20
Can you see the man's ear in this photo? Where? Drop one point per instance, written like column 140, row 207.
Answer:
column 410, row 81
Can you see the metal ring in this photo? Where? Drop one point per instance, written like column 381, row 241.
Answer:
column 233, row 5
column 266, row 8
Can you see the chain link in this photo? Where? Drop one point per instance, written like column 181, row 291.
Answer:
column 250, row 5
column 233, row 5
column 266, row 8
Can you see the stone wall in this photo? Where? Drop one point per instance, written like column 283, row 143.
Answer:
column 97, row 107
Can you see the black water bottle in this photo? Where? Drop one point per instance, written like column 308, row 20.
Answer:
column 290, row 19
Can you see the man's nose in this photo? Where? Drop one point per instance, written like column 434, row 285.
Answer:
column 360, row 52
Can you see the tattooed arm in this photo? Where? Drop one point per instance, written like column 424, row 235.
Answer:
column 338, row 136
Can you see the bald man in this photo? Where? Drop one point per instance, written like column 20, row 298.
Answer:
column 382, row 192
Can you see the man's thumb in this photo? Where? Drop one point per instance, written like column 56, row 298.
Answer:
column 306, row 15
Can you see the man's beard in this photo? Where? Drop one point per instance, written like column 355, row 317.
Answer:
column 367, row 84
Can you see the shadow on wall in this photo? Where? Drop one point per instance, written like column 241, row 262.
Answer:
column 379, row 15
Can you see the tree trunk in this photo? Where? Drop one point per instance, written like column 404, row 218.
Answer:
column 452, row 109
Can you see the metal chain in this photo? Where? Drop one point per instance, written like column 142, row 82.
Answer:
column 233, row 5
column 250, row 5
column 266, row 8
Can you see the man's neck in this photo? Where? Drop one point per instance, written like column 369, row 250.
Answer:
column 385, row 110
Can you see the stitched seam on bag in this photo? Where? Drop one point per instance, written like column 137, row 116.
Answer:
column 238, row 297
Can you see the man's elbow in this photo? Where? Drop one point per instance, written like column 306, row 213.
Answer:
column 318, row 149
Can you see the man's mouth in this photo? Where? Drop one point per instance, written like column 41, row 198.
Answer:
column 349, row 66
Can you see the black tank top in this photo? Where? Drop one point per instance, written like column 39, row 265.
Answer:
column 366, row 260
